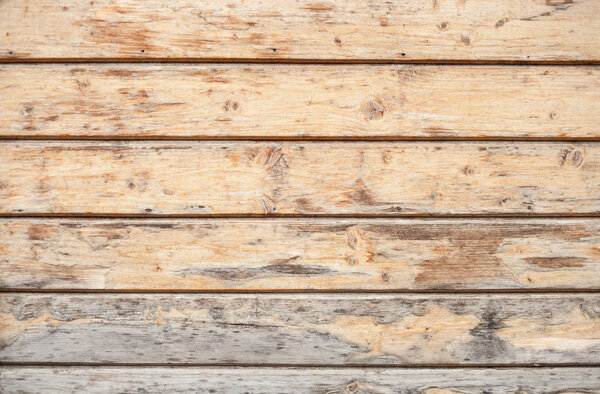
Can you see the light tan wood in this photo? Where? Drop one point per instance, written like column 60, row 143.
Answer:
column 299, row 101
column 95, row 379
column 300, row 329
column 299, row 254
column 221, row 178
column 548, row 30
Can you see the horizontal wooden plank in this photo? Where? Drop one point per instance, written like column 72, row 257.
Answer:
column 300, row 329
column 547, row 30
column 233, row 178
column 299, row 254
column 299, row 101
column 298, row 380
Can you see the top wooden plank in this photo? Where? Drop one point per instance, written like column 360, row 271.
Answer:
column 409, row 30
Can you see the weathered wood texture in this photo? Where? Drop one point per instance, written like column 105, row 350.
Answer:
column 551, row 30
column 300, row 329
column 298, row 101
column 299, row 254
column 205, row 178
column 298, row 380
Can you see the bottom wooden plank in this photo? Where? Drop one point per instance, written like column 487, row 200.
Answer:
column 297, row 380
column 301, row 329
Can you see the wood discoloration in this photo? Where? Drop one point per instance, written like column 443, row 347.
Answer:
column 305, row 30
column 294, row 254
column 217, row 178
column 300, row 380
column 375, row 101
column 302, row 329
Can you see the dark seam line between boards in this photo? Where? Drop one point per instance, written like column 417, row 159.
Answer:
column 276, row 292
column 349, row 219
column 341, row 366
column 309, row 141
column 205, row 60
column 284, row 139
column 354, row 141
column 297, row 216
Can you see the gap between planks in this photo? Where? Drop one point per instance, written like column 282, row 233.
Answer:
column 282, row 139
column 241, row 61
column 272, row 216
column 302, row 366
column 301, row 291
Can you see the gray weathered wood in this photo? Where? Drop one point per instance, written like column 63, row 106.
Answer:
column 233, row 178
column 301, row 329
column 299, row 254
column 62, row 380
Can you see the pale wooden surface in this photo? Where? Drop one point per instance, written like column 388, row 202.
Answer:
column 95, row 379
column 301, row 329
column 299, row 254
column 299, row 101
column 547, row 30
column 220, row 178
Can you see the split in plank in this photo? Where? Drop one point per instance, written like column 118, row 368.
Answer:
column 298, row 380
column 300, row 329
column 299, row 101
column 442, row 30
column 246, row 178
column 299, row 254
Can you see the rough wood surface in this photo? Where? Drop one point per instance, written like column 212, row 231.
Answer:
column 220, row 178
column 549, row 30
column 299, row 101
column 298, row 380
column 299, row 254
column 300, row 329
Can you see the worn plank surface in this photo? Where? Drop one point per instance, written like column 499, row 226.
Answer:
column 299, row 101
column 204, row 178
column 549, row 30
column 299, row 254
column 298, row 380
column 300, row 329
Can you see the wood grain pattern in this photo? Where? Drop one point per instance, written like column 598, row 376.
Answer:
column 216, row 178
column 548, row 30
column 298, row 101
column 61, row 380
column 299, row 254
column 300, row 329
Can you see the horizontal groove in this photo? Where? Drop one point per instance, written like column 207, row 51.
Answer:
column 241, row 60
column 390, row 219
column 83, row 216
column 302, row 291
column 271, row 365
column 315, row 139
column 311, row 141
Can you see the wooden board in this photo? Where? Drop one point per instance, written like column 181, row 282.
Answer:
column 440, row 30
column 297, row 380
column 299, row 254
column 299, row 101
column 243, row 178
column 330, row 329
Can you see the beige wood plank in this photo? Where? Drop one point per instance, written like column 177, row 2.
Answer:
column 61, row 380
column 300, row 329
column 299, row 254
column 299, row 101
column 442, row 30
column 233, row 178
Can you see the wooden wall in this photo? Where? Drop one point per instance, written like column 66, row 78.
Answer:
column 306, row 197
